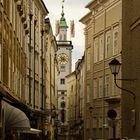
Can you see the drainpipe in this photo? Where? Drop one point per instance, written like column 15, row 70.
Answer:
column 30, row 37
column 35, row 21
column 50, row 83
column 42, row 103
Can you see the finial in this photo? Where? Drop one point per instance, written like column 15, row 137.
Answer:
column 62, row 8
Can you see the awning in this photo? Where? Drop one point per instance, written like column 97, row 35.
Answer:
column 15, row 118
column 32, row 131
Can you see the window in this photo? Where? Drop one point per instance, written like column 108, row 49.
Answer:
column 101, row 47
column 62, row 92
column 62, row 68
column 63, row 104
column 115, row 41
column 60, row 38
column 65, row 37
column 106, row 85
column 95, row 90
column 88, row 93
column 36, row 63
column 100, row 86
column 107, row 46
column 62, row 81
column 95, row 50
column 88, row 59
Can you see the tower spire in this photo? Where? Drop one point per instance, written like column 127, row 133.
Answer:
column 62, row 14
column 62, row 19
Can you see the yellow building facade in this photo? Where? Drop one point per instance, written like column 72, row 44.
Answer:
column 24, row 37
column 103, row 30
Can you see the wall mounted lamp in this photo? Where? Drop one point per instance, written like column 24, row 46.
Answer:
column 115, row 67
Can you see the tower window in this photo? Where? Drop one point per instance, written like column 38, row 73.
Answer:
column 62, row 92
column 62, row 81
column 63, row 104
column 64, row 37
column 62, row 68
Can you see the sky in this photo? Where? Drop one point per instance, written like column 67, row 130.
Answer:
column 74, row 10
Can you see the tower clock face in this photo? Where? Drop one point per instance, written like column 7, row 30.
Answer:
column 63, row 58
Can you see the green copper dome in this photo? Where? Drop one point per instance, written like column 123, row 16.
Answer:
column 63, row 22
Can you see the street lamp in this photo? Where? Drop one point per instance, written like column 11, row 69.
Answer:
column 115, row 67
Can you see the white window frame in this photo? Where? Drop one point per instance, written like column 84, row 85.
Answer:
column 101, row 47
column 95, row 50
column 100, row 87
column 108, row 44
column 115, row 40
column 95, row 88
column 88, row 59
column 107, row 81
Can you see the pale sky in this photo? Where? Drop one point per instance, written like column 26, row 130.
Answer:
column 74, row 10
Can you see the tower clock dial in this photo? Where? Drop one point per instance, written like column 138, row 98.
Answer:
column 63, row 58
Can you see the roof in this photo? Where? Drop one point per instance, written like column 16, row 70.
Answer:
column 44, row 6
column 85, row 18
column 63, row 22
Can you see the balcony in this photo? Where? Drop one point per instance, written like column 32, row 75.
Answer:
column 113, row 99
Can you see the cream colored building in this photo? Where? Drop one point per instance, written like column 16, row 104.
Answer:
column 103, row 30
column 71, row 102
column 24, row 50
column 52, row 72
column 75, row 101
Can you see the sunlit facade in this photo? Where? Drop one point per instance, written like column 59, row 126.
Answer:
column 23, row 61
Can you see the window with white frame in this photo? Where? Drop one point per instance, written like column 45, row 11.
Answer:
column 95, row 50
column 107, row 45
column 95, row 90
column 100, row 86
column 115, row 40
column 101, row 47
column 106, row 85
column 88, row 59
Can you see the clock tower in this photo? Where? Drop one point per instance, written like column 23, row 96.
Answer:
column 64, row 57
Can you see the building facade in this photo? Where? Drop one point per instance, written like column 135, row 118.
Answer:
column 130, row 68
column 71, row 104
column 103, row 30
column 52, row 72
column 24, row 36
column 75, row 101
